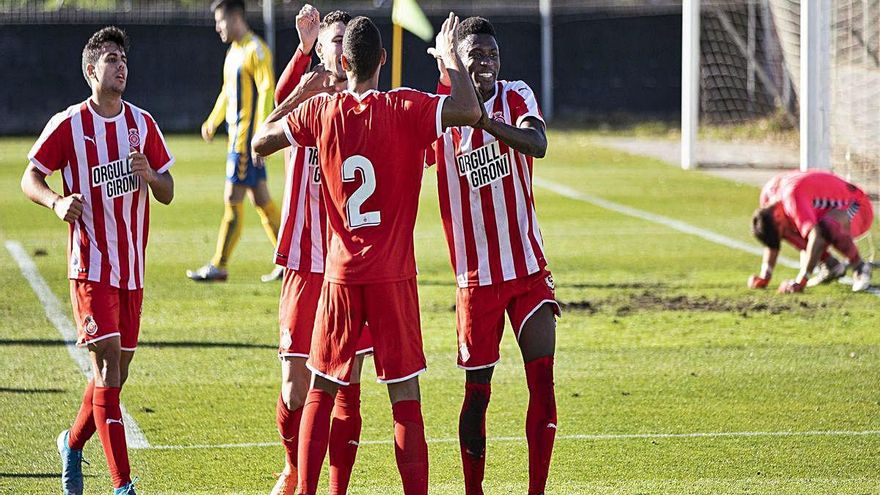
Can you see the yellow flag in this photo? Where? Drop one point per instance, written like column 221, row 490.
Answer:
column 408, row 15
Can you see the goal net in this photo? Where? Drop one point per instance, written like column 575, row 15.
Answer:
column 750, row 81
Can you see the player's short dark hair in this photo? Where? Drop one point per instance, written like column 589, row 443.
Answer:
column 764, row 227
column 228, row 6
column 474, row 25
column 334, row 17
column 92, row 50
column 362, row 46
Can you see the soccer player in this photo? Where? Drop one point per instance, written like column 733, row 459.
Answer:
column 812, row 211
column 111, row 155
column 488, row 211
column 371, row 176
column 301, row 251
column 244, row 102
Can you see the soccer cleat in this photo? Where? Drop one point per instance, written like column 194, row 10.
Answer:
column 71, row 466
column 286, row 484
column 862, row 277
column 277, row 273
column 208, row 273
column 827, row 272
column 127, row 489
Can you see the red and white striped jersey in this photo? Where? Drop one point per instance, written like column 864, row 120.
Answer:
column 486, row 199
column 301, row 238
column 107, row 244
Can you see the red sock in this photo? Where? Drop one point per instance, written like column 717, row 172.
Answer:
column 410, row 447
column 288, row 427
column 84, row 425
column 314, row 432
column 472, row 435
column 111, row 430
column 345, row 433
column 540, row 421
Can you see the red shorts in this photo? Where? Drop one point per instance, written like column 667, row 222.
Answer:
column 103, row 311
column 297, row 307
column 480, row 315
column 392, row 311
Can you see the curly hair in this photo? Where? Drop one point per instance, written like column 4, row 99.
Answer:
column 334, row 17
column 92, row 50
column 473, row 25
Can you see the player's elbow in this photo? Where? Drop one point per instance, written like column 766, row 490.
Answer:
column 540, row 148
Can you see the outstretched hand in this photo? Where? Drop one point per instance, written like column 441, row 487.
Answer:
column 308, row 23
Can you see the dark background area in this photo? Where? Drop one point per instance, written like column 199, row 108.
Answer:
column 605, row 63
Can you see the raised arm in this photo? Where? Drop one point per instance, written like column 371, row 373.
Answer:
column 462, row 106
column 270, row 137
column 308, row 22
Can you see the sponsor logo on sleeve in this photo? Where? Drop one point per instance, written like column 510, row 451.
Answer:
column 483, row 165
column 115, row 178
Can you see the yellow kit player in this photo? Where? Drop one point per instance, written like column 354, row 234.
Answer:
column 244, row 102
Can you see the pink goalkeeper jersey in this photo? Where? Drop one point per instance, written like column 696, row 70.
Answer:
column 807, row 196
column 301, row 238
column 486, row 199
column 107, row 244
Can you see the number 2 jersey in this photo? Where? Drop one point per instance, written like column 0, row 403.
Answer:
column 108, row 242
column 486, row 199
column 371, row 151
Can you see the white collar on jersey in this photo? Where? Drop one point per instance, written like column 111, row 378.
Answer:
column 105, row 119
column 360, row 97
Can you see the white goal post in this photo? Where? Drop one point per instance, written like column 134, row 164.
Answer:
column 736, row 33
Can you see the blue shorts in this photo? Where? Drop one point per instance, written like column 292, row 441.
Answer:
column 240, row 169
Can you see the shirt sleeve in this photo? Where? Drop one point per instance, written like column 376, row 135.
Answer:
column 292, row 74
column 422, row 114
column 301, row 125
column 48, row 153
column 522, row 102
column 264, row 80
column 156, row 149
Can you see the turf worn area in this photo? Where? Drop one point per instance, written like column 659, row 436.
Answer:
column 671, row 376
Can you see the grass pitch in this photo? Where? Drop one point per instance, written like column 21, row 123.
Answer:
column 671, row 376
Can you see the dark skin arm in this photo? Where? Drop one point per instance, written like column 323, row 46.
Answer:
column 529, row 138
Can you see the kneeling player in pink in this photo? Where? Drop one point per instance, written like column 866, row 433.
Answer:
column 484, row 177
column 371, row 149
column 812, row 211
column 301, row 251
column 111, row 155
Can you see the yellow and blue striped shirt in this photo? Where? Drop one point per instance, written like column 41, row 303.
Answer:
column 248, row 91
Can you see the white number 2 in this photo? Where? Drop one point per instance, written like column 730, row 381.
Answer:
column 357, row 218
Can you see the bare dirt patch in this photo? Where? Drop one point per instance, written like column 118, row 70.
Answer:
column 653, row 301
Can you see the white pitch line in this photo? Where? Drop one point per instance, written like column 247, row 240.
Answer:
column 659, row 219
column 134, row 436
column 588, row 437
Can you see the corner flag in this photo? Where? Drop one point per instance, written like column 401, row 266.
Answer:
column 408, row 15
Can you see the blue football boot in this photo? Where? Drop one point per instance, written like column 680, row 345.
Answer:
column 71, row 466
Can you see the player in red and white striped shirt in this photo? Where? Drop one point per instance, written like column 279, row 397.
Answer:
column 301, row 250
column 111, row 155
column 488, row 210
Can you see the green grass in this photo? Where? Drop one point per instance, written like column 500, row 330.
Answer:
column 637, row 362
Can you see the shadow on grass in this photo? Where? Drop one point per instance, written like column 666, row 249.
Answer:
column 31, row 475
column 29, row 391
column 148, row 344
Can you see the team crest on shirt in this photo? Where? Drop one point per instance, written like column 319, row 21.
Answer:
column 134, row 138
column 90, row 326
column 550, row 283
column 483, row 165
column 115, row 178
